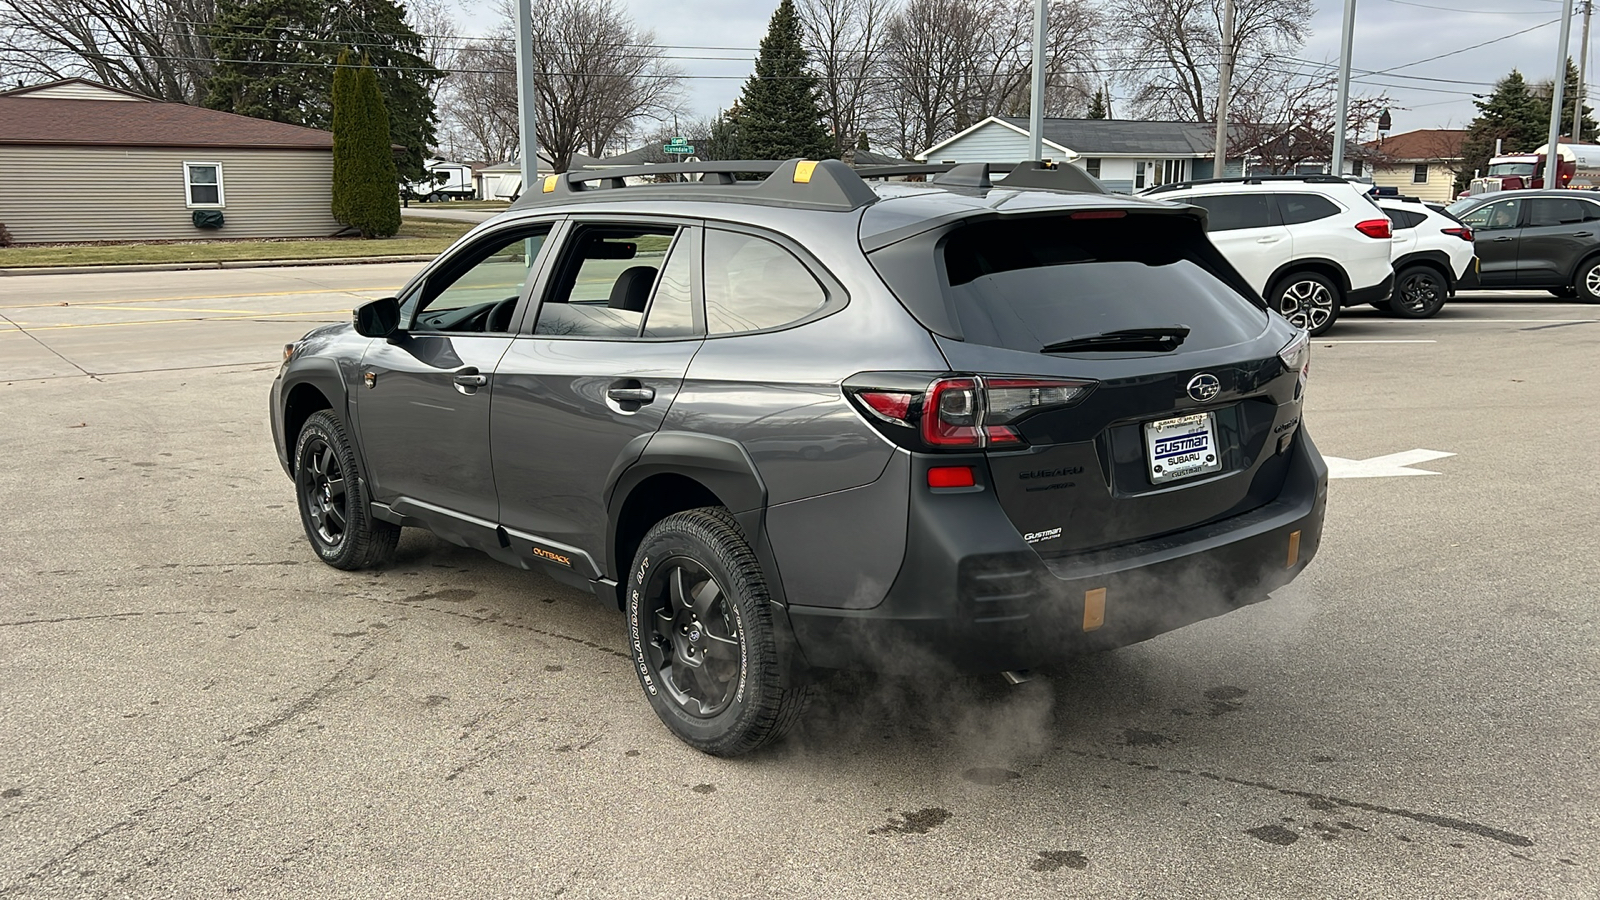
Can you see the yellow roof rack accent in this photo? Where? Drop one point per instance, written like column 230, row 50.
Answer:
column 803, row 170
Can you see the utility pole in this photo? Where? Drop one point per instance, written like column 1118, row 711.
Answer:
column 1036, row 105
column 1583, row 59
column 1344, row 87
column 1219, row 155
column 1552, row 158
column 527, row 112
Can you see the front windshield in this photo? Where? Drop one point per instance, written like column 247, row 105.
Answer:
column 1460, row 206
column 1502, row 170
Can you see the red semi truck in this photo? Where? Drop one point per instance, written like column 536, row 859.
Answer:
column 1577, row 166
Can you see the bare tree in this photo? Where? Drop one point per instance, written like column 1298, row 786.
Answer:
column 1175, row 49
column 844, row 39
column 597, row 76
column 479, row 110
column 153, row 47
column 1295, row 126
column 441, row 39
column 948, row 64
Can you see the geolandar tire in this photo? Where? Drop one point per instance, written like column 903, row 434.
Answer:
column 1308, row 301
column 700, row 631
column 1589, row 281
column 1419, row 293
column 332, row 498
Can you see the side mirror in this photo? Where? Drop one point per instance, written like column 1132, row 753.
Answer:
column 379, row 318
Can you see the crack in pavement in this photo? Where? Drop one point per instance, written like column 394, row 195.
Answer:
column 120, row 615
column 35, row 338
column 492, row 620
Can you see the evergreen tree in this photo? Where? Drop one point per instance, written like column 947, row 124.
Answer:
column 1097, row 105
column 780, row 118
column 1587, row 126
column 1511, row 114
column 723, row 141
column 276, row 60
column 862, row 143
column 264, row 66
column 365, row 195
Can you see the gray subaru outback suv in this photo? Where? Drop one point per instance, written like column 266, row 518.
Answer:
column 801, row 422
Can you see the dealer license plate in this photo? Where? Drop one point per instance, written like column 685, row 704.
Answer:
column 1182, row 448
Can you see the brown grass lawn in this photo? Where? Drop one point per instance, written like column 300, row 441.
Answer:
column 416, row 237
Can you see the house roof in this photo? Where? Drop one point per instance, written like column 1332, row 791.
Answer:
column 50, row 87
column 1421, row 145
column 118, row 123
column 1092, row 137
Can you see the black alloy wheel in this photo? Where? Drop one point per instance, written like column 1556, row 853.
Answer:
column 694, row 645
column 1419, row 293
column 701, row 633
column 333, row 501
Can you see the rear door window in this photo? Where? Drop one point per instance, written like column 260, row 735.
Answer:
column 1024, row 284
column 1547, row 211
column 1231, row 212
column 753, row 284
column 1404, row 218
column 1297, row 209
column 607, row 279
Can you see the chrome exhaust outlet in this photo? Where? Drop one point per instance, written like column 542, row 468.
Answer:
column 1017, row 676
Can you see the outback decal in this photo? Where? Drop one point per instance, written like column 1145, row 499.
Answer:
column 1286, row 426
column 553, row 557
column 1049, row 534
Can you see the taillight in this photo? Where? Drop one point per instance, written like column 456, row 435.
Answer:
column 1296, row 354
column 1464, row 233
column 961, row 412
column 1375, row 228
column 950, row 477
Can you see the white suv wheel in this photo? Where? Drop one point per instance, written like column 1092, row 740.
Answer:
column 1308, row 302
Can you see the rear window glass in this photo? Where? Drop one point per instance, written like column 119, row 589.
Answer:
column 753, row 284
column 1404, row 218
column 1024, row 284
column 1298, row 208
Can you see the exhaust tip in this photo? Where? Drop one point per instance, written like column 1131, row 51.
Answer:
column 1017, row 676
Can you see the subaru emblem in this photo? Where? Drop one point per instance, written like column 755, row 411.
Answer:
column 1204, row 386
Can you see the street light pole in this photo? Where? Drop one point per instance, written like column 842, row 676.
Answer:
column 1036, row 106
column 527, row 112
column 1343, row 112
column 1219, row 154
column 1552, row 157
column 1583, row 59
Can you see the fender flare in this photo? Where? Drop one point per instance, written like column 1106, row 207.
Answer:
column 1309, row 262
column 1437, row 258
column 1584, row 260
column 322, row 374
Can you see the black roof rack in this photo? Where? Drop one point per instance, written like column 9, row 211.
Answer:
column 1253, row 179
column 825, row 184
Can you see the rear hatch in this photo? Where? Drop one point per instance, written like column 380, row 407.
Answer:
column 1119, row 378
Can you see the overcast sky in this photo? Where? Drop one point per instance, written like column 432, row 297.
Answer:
column 1389, row 34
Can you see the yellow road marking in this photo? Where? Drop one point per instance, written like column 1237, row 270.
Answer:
column 170, row 309
column 331, row 312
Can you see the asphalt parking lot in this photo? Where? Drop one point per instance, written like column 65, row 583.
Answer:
column 192, row 705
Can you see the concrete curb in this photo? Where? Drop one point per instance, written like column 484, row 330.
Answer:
column 232, row 264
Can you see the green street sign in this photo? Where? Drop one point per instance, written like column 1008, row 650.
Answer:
column 677, row 145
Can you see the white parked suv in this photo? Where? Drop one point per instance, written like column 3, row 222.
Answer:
column 1310, row 244
column 1432, row 252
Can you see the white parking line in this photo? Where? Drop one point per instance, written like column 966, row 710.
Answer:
column 1315, row 341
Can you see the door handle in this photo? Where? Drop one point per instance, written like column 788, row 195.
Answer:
column 632, row 394
column 1583, row 234
column 469, row 377
column 1501, row 240
column 1268, row 240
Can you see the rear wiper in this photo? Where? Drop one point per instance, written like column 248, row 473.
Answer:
column 1157, row 337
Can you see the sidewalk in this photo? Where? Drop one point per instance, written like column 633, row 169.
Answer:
column 231, row 264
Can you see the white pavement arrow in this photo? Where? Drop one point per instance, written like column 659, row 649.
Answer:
column 1394, row 465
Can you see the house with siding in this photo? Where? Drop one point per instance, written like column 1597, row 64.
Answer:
column 1419, row 163
column 104, row 164
column 1126, row 155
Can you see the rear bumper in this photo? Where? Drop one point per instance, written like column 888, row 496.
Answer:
column 1375, row 294
column 973, row 595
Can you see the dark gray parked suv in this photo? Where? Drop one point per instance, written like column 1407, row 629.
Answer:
column 1535, row 239
column 804, row 423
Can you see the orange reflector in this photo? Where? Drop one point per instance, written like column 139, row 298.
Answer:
column 549, row 184
column 1094, row 609
column 803, row 170
column 1294, row 548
